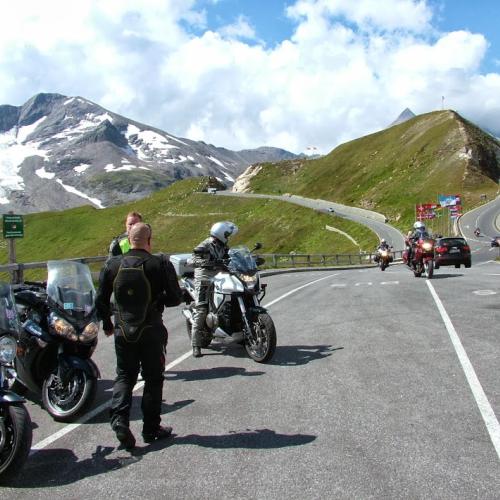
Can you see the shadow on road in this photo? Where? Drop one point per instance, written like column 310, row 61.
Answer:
column 211, row 373
column 439, row 276
column 252, row 439
column 294, row 355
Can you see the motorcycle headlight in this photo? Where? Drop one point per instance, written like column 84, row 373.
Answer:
column 427, row 246
column 8, row 347
column 384, row 253
column 59, row 326
column 89, row 332
column 250, row 281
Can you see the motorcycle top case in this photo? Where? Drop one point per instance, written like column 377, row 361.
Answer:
column 180, row 263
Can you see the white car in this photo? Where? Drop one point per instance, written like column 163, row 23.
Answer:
column 331, row 210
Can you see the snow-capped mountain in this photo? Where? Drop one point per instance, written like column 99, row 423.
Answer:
column 58, row 152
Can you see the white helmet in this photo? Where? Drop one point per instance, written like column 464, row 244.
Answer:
column 222, row 230
column 419, row 225
column 383, row 241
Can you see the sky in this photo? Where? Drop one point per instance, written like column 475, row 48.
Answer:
column 303, row 75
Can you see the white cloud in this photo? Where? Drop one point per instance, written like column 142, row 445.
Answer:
column 348, row 69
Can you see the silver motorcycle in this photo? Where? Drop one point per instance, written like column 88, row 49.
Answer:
column 234, row 310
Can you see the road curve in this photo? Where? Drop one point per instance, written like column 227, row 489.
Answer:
column 373, row 221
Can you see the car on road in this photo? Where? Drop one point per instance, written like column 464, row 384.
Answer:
column 451, row 251
column 495, row 242
column 331, row 210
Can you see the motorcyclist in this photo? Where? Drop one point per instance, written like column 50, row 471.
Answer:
column 418, row 233
column 207, row 259
column 477, row 231
column 383, row 245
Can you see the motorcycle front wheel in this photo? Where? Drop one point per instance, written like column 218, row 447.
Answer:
column 261, row 343
column 66, row 401
column 429, row 269
column 15, row 439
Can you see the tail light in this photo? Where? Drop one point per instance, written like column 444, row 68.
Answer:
column 466, row 248
column 440, row 249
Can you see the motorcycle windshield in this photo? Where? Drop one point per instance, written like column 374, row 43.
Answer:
column 70, row 287
column 9, row 321
column 241, row 261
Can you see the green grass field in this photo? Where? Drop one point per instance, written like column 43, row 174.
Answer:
column 181, row 216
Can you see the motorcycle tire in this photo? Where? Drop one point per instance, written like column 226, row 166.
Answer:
column 206, row 338
column 383, row 265
column 64, row 404
column 262, row 344
column 16, row 435
column 429, row 269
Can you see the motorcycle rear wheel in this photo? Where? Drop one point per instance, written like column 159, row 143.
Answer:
column 15, row 439
column 65, row 403
column 262, row 342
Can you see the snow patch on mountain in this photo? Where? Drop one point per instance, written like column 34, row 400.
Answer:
column 72, row 190
column 43, row 174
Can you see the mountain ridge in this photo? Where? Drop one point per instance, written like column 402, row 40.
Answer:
column 59, row 152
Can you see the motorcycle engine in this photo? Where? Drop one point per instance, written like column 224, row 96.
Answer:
column 212, row 321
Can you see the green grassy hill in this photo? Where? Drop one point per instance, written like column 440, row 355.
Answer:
column 181, row 216
column 392, row 170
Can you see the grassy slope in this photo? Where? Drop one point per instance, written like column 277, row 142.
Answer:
column 181, row 217
column 392, row 170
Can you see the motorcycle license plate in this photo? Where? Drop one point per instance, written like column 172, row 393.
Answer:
column 454, row 250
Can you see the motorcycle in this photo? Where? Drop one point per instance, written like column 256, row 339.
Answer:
column 58, row 338
column 15, row 424
column 383, row 258
column 477, row 232
column 234, row 311
column 422, row 259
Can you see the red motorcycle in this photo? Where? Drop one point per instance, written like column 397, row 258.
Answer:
column 422, row 258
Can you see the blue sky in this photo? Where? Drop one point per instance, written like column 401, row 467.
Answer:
column 249, row 73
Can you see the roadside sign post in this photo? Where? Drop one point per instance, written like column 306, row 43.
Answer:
column 13, row 227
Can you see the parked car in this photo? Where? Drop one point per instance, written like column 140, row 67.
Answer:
column 451, row 251
column 495, row 242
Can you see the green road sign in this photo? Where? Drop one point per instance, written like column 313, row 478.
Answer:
column 13, row 226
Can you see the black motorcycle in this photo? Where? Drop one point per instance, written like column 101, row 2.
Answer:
column 15, row 424
column 58, row 338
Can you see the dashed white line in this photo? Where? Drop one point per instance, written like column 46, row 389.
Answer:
column 482, row 402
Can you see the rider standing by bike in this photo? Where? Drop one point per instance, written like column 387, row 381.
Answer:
column 207, row 257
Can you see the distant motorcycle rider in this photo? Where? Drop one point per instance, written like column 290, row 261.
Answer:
column 419, row 233
column 207, row 259
column 383, row 245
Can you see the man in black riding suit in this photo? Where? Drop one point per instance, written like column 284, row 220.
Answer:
column 143, row 284
column 383, row 245
column 207, row 259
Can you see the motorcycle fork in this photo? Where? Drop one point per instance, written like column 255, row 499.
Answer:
column 63, row 368
column 248, row 329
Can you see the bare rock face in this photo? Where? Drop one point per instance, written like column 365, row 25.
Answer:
column 242, row 183
column 58, row 152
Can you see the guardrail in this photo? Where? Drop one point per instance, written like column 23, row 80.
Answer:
column 273, row 261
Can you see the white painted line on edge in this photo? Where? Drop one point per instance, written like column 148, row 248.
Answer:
column 482, row 402
column 90, row 415
column 299, row 288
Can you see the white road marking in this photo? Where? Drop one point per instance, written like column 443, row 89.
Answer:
column 389, row 282
column 482, row 402
column 338, row 285
column 367, row 283
column 484, row 292
column 91, row 414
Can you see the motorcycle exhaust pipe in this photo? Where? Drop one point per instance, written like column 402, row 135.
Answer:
column 221, row 334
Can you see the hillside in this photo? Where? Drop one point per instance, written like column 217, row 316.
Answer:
column 181, row 216
column 392, row 170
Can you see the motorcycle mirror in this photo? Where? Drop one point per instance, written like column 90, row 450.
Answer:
column 259, row 261
column 257, row 246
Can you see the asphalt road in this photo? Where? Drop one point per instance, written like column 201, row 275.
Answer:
column 374, row 392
